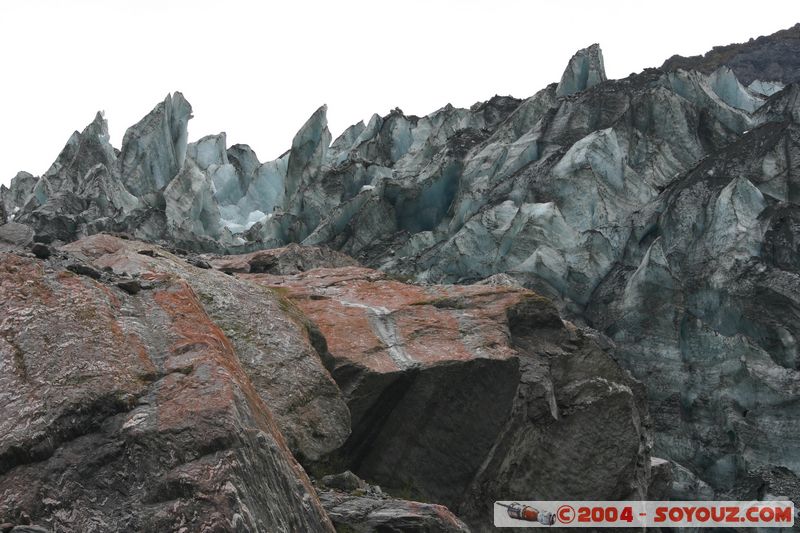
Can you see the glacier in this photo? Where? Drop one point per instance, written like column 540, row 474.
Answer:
column 661, row 210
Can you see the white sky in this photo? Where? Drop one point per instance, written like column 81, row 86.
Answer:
column 257, row 70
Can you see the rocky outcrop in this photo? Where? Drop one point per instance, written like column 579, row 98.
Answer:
column 367, row 513
column 355, row 505
column 282, row 361
column 131, row 413
column 145, row 393
column 281, row 261
column 14, row 235
column 450, row 389
column 770, row 58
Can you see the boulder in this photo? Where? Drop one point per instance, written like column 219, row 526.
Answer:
column 367, row 513
column 451, row 388
column 277, row 347
column 153, row 425
column 14, row 234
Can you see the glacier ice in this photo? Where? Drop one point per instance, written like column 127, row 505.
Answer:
column 702, row 91
column 585, row 69
column 660, row 209
column 190, row 206
column 765, row 88
column 725, row 84
column 209, row 150
column 153, row 150
column 735, row 232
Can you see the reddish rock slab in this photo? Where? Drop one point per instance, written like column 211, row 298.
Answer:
column 462, row 395
column 133, row 413
column 384, row 325
column 286, row 260
column 275, row 344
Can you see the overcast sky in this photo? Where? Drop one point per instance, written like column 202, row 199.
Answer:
column 257, row 70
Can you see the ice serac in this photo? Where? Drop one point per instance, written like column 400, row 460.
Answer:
column 451, row 388
column 153, row 425
column 702, row 305
column 80, row 193
column 585, row 69
column 209, row 150
column 19, row 191
column 782, row 106
column 244, row 191
column 191, row 209
column 83, row 151
column 766, row 88
column 724, row 83
column 211, row 156
column 153, row 150
column 309, row 148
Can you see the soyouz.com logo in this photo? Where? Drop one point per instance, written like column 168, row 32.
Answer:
column 644, row 514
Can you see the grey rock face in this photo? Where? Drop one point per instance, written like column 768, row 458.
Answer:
column 16, row 234
column 364, row 513
column 585, row 69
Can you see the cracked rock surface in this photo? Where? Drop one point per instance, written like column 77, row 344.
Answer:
column 193, row 400
column 450, row 388
column 132, row 413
